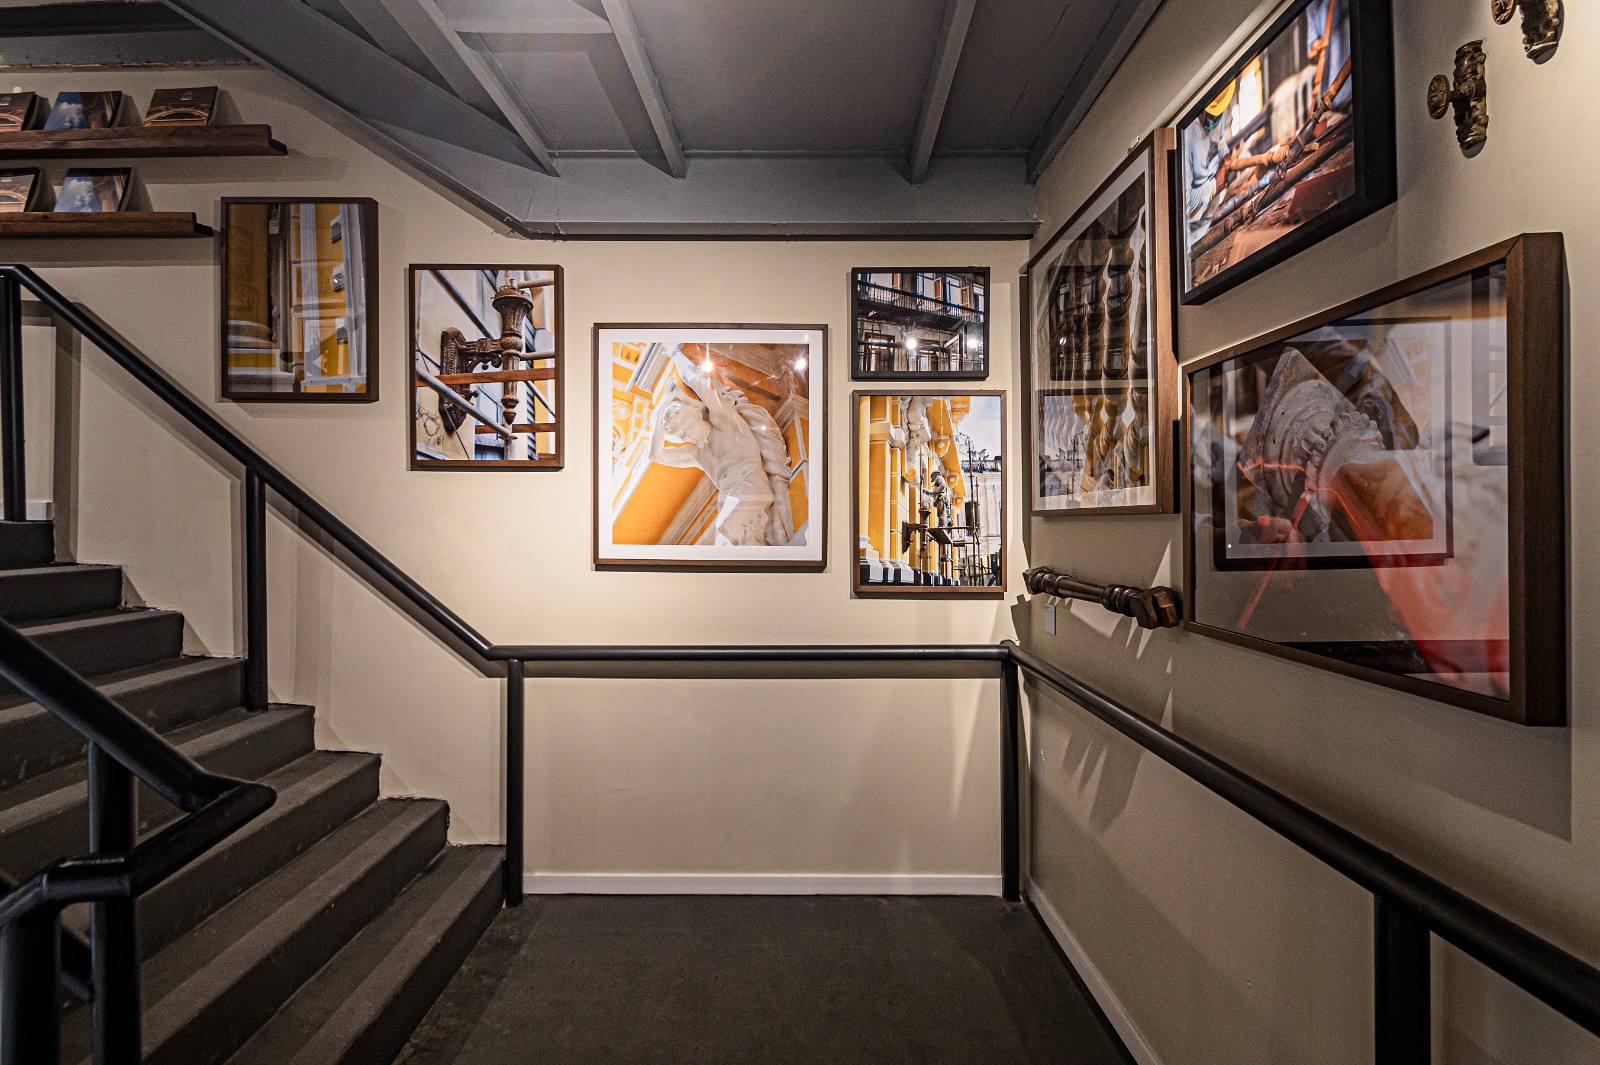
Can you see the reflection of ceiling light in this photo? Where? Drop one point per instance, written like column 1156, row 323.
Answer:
column 707, row 365
column 977, row 343
column 911, row 343
column 800, row 363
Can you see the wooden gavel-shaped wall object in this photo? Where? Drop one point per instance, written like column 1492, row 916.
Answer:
column 1152, row 608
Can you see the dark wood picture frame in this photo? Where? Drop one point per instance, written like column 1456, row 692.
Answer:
column 1153, row 152
column 1373, row 116
column 1536, row 418
column 558, row 459
column 858, row 373
column 892, row 591
column 818, row 398
column 369, row 218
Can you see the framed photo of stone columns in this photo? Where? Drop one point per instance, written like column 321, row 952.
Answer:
column 928, row 491
column 300, row 300
column 1380, row 490
column 486, row 367
column 1101, row 379
column 710, row 446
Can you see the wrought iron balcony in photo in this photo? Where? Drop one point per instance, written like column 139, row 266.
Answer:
column 1152, row 608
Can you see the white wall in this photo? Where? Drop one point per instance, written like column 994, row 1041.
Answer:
column 812, row 776
column 1223, row 943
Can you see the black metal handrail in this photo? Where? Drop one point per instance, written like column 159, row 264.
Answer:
column 1409, row 904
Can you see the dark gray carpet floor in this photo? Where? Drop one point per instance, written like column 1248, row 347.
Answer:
column 707, row 980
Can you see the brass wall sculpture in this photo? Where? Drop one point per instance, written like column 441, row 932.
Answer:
column 1541, row 22
column 1468, row 95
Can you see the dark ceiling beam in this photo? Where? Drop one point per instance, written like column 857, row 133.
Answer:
column 1124, row 23
column 376, row 22
column 626, row 30
column 952, row 38
column 105, row 34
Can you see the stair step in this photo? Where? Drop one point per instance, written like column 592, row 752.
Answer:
column 58, row 591
column 44, row 817
column 363, row 1005
column 109, row 641
column 164, row 695
column 206, row 993
column 27, row 543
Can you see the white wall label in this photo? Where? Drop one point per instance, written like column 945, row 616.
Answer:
column 1050, row 618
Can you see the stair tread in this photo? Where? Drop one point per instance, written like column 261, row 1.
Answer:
column 111, row 616
column 333, row 1009
column 54, row 567
column 123, row 681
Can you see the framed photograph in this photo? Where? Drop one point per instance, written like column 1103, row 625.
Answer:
column 710, row 446
column 300, row 300
column 919, row 323
column 1293, row 143
column 1380, row 489
column 486, row 367
column 928, row 484
column 1101, row 377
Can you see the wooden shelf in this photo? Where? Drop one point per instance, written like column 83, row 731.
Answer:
column 140, row 142
column 136, row 224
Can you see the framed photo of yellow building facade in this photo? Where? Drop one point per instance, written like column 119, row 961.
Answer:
column 710, row 446
column 929, row 490
column 300, row 300
column 486, row 367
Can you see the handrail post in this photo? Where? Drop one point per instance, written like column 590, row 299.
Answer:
column 113, row 925
column 30, row 976
column 514, row 769
column 1403, row 999
column 1010, row 781
column 13, row 465
column 255, row 590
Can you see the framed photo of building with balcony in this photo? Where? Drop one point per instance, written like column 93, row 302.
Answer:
column 928, row 480
column 1101, row 376
column 710, row 446
column 919, row 323
column 486, row 367
column 300, row 300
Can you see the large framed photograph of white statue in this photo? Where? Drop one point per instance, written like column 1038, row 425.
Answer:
column 710, row 446
column 1379, row 490
column 1102, row 380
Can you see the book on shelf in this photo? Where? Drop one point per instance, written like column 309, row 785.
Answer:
column 84, row 110
column 182, row 107
column 94, row 191
column 21, row 190
column 19, row 111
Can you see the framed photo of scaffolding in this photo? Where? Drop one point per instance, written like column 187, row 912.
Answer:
column 486, row 367
column 928, row 484
column 710, row 446
column 1378, row 490
column 300, row 300
column 1101, row 377
column 1295, row 141
column 919, row 323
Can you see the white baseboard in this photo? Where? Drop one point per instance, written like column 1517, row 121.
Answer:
column 1094, row 981
column 757, row 884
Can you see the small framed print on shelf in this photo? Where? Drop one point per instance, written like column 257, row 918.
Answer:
column 1380, row 490
column 1101, row 376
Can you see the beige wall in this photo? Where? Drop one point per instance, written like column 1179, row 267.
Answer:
column 812, row 776
column 1222, row 943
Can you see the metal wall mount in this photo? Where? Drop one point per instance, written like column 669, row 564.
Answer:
column 1467, row 94
column 1541, row 23
column 1152, row 608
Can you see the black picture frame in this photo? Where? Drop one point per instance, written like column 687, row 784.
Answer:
column 895, row 305
column 1372, row 139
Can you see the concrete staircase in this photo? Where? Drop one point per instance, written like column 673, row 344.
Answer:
column 322, row 931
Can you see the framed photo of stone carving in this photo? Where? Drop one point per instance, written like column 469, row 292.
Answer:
column 1379, row 490
column 1101, row 378
column 300, row 300
column 919, row 323
column 486, row 367
column 710, row 446
column 928, row 484
column 1295, row 141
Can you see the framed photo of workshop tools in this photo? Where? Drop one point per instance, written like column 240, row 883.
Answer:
column 1293, row 143
column 1102, row 381
column 1379, row 490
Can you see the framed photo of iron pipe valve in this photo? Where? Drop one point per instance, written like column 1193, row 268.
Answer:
column 1294, row 142
column 1100, row 376
column 1380, row 490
